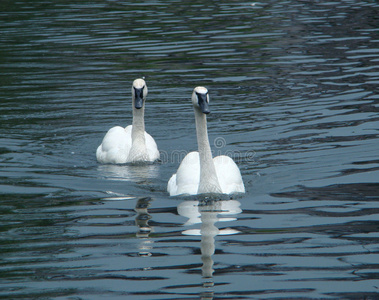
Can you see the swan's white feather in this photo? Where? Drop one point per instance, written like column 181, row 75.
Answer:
column 117, row 143
column 187, row 178
column 151, row 147
column 229, row 175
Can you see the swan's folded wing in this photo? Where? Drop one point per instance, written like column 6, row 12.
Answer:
column 151, row 147
column 171, row 186
column 229, row 175
column 115, row 146
column 187, row 178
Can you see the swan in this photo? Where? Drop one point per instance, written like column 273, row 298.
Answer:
column 199, row 173
column 131, row 144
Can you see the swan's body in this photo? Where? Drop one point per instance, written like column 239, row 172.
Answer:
column 131, row 144
column 199, row 173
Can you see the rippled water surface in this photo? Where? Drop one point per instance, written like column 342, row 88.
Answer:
column 294, row 100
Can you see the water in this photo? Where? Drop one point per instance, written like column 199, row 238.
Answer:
column 294, row 100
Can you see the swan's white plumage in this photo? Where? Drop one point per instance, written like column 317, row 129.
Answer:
column 187, row 177
column 229, row 175
column 117, row 143
column 115, row 146
column 119, row 146
column 220, row 174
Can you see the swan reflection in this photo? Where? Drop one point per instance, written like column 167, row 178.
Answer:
column 208, row 212
column 129, row 172
column 144, row 229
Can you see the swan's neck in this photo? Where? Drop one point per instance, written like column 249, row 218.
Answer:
column 208, row 177
column 138, row 150
column 138, row 129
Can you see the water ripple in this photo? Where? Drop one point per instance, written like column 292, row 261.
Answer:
column 293, row 97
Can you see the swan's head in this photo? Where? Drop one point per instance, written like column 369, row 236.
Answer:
column 139, row 92
column 200, row 99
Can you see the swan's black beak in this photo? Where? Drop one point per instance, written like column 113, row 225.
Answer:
column 138, row 98
column 203, row 103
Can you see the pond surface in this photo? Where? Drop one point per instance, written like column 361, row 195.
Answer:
column 294, row 100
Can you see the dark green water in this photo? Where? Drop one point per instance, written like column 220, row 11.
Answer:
column 294, row 100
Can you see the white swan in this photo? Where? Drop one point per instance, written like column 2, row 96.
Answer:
column 131, row 144
column 199, row 173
